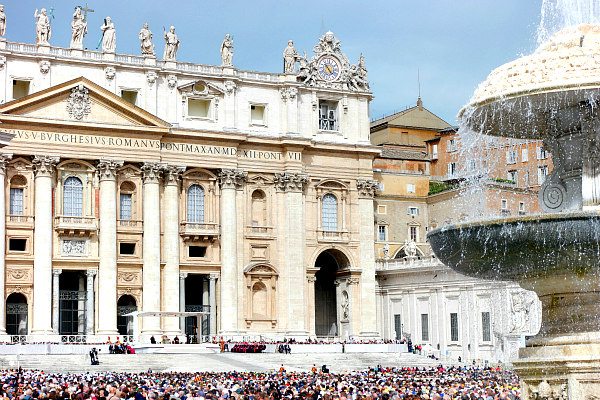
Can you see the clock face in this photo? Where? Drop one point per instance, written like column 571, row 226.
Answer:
column 329, row 68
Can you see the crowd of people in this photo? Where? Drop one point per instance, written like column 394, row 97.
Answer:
column 454, row 383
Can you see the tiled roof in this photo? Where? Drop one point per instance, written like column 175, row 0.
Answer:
column 415, row 117
column 401, row 154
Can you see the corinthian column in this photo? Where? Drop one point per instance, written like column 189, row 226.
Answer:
column 55, row 300
column 368, row 308
column 89, row 302
column 170, row 290
column 293, row 184
column 151, row 243
column 107, row 270
column 42, row 245
column 3, row 161
column 230, row 180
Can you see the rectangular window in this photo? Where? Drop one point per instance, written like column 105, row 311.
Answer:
column 511, row 156
column 382, row 233
column 328, row 115
column 472, row 165
column 20, row 88
column 196, row 251
column 410, row 187
column 486, row 326
column 126, row 248
column 541, row 153
column 381, row 209
column 451, row 169
column 198, row 108
column 414, row 233
column 398, row 326
column 503, row 204
column 524, row 154
column 542, row 173
column 425, row 327
column 522, row 208
column 125, row 206
column 16, row 201
column 434, row 152
column 129, row 96
column 451, row 145
column 512, row 176
column 454, row 327
column 15, row 244
column 414, row 211
column 257, row 114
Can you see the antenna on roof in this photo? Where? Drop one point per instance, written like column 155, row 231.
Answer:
column 323, row 30
column 419, row 101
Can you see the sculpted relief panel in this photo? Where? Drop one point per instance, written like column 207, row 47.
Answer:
column 19, row 275
column 129, row 278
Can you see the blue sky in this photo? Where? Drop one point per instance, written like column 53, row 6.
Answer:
column 453, row 43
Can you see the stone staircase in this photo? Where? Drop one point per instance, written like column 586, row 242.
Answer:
column 188, row 362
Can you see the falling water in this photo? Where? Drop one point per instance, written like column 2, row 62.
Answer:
column 560, row 14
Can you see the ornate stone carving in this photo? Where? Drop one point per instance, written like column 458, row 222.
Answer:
column 2, row 62
column 545, row 391
column 288, row 93
column 25, row 290
column 151, row 172
column 520, row 306
column 172, row 174
column 91, row 273
column 110, row 73
column 171, row 44
column 2, row 21
column 290, row 181
column 227, row 51
column 367, row 188
column 353, row 281
column 146, row 44
column 151, row 77
column 232, row 178
column 56, row 271
column 230, row 87
column 107, row 169
column 128, row 278
column 43, row 29
column 183, row 275
column 109, row 36
column 172, row 81
column 44, row 165
column 18, row 275
column 79, row 104
column 345, row 304
column 44, row 66
column 290, row 56
column 4, row 159
column 72, row 247
column 213, row 276
column 311, row 278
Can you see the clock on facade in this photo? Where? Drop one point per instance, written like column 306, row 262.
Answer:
column 329, row 68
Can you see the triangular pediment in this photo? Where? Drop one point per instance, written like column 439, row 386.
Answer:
column 79, row 101
column 200, row 88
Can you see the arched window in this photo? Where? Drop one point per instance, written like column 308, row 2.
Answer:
column 73, row 197
column 17, row 190
column 259, row 300
column 329, row 213
column 259, row 208
column 126, row 201
column 195, row 204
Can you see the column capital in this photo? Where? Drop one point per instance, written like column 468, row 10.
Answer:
column 151, row 172
column 367, row 188
column 213, row 276
column 107, row 169
column 56, row 271
column 4, row 158
column 91, row 273
column 172, row 174
column 182, row 275
column 290, row 181
column 232, row 178
column 44, row 165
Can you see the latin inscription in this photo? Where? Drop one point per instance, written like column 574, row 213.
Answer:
column 172, row 147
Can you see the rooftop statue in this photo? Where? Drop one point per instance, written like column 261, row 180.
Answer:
column 78, row 29
column 2, row 20
column 171, row 44
column 109, row 36
column 227, row 51
column 146, row 44
column 43, row 30
column 290, row 56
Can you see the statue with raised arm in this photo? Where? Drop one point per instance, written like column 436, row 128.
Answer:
column 109, row 36
column 227, row 51
column 43, row 30
column 171, row 44
column 2, row 20
column 146, row 44
column 290, row 55
column 78, row 29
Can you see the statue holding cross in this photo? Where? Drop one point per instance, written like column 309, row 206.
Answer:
column 78, row 29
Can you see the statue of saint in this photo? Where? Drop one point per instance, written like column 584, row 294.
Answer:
column 227, row 51
column 109, row 36
column 146, row 44
column 290, row 55
column 78, row 29
column 2, row 20
column 43, row 30
column 171, row 44
column 410, row 248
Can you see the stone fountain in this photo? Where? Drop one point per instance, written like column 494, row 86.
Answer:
column 552, row 95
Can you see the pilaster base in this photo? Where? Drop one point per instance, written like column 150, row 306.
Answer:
column 297, row 335
column 369, row 335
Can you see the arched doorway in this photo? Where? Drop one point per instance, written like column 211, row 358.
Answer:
column 16, row 314
column 125, row 305
column 329, row 263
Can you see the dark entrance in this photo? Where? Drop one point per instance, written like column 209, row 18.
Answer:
column 125, row 305
column 329, row 263
column 72, row 297
column 16, row 314
column 196, row 291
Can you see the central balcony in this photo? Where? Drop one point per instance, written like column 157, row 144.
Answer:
column 71, row 225
column 333, row 236
column 199, row 231
column 257, row 231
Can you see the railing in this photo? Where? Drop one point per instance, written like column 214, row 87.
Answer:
column 92, row 55
column 63, row 223
column 73, row 339
column 130, row 223
column 391, row 264
column 333, row 236
column 21, row 221
column 130, row 59
column 200, row 68
column 22, row 47
column 259, row 230
column 198, row 228
column 197, row 308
